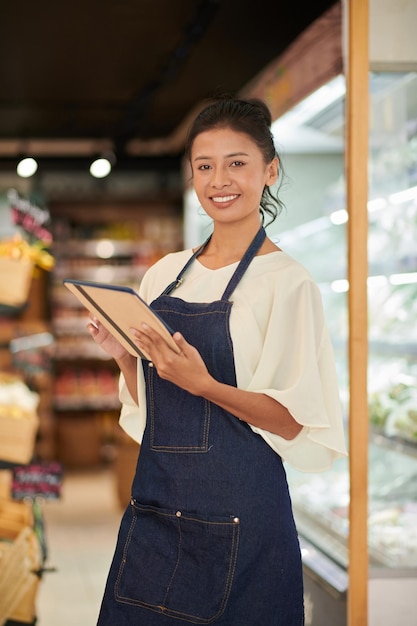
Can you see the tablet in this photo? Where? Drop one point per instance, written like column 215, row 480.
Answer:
column 120, row 308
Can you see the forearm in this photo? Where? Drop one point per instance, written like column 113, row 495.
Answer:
column 188, row 371
column 128, row 366
column 256, row 409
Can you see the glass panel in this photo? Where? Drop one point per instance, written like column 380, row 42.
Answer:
column 313, row 231
column 392, row 291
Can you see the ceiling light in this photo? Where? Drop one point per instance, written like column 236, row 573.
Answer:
column 27, row 167
column 102, row 166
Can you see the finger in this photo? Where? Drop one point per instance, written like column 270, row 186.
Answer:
column 92, row 328
column 150, row 332
column 157, row 340
column 180, row 341
column 142, row 340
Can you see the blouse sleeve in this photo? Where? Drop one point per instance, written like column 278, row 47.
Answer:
column 297, row 369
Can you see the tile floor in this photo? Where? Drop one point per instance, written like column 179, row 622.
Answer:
column 81, row 530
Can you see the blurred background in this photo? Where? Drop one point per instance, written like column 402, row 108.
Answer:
column 95, row 102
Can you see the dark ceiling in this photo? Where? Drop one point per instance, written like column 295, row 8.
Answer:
column 117, row 70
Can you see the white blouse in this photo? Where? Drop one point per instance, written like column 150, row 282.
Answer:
column 281, row 347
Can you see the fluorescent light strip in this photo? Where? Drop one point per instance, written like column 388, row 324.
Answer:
column 377, row 204
column 407, row 278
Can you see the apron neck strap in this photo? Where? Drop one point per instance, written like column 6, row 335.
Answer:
column 240, row 270
column 177, row 282
column 244, row 263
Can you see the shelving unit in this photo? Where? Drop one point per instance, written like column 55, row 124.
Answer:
column 115, row 243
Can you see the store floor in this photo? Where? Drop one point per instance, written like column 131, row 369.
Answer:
column 81, row 530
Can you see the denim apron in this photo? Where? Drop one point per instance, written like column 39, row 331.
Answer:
column 209, row 535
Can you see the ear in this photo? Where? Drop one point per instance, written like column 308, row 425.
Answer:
column 272, row 172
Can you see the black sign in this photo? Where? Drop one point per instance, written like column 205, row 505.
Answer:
column 37, row 480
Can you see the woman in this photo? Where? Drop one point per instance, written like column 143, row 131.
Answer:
column 209, row 535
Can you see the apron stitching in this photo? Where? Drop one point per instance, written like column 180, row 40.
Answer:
column 176, row 564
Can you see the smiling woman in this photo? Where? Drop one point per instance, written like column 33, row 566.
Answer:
column 209, row 536
column 230, row 172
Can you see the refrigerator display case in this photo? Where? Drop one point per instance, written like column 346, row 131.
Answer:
column 321, row 501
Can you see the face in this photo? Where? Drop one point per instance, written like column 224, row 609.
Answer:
column 229, row 174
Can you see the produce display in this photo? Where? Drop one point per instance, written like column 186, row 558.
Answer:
column 22, row 251
column 17, row 248
column 394, row 411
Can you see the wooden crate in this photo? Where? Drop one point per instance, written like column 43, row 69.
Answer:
column 15, row 281
column 6, row 477
column 20, row 561
column 14, row 517
column 17, row 435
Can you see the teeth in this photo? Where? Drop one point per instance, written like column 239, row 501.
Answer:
column 224, row 198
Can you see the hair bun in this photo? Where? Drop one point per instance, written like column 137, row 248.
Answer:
column 260, row 104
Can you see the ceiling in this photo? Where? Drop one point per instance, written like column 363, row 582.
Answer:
column 86, row 76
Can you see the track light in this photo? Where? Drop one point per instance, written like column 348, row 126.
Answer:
column 102, row 166
column 27, row 167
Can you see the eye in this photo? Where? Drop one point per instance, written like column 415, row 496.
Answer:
column 237, row 164
column 203, row 167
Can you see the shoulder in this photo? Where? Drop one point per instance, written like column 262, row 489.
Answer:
column 282, row 268
column 281, row 279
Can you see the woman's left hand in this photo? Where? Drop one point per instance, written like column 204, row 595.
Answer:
column 185, row 369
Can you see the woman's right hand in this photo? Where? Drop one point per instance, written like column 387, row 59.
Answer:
column 105, row 340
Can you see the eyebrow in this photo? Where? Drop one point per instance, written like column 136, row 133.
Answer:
column 227, row 156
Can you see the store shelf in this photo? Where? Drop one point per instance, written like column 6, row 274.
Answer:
column 99, row 248
column 393, row 348
column 116, row 246
column 396, row 443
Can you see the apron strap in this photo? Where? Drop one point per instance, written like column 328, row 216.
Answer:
column 177, row 282
column 244, row 263
column 240, row 270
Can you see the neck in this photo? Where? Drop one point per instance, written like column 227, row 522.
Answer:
column 228, row 245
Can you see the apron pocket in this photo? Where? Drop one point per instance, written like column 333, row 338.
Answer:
column 178, row 564
column 186, row 430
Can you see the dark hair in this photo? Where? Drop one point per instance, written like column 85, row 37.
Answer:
column 253, row 118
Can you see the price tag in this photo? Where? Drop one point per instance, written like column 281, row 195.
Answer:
column 37, row 480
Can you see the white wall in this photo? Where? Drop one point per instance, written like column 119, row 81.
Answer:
column 392, row 601
column 393, row 41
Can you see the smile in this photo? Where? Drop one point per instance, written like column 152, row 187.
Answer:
column 224, row 198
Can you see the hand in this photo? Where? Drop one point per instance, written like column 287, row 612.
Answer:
column 104, row 339
column 185, row 369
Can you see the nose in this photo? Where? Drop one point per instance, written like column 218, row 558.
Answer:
column 220, row 177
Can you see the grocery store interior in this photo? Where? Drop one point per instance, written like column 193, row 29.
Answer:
column 116, row 85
